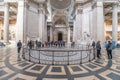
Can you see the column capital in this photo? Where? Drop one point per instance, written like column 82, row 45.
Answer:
column 21, row 3
column 6, row 3
column 27, row 3
column 78, row 8
column 21, row 0
column 41, row 11
column 98, row 3
column 94, row 5
column 79, row 11
column 41, row 8
column 115, row 5
column 98, row 0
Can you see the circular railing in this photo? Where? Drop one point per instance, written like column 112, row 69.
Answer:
column 62, row 55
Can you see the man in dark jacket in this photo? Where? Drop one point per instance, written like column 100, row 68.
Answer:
column 93, row 44
column 98, row 47
column 19, row 46
column 109, row 49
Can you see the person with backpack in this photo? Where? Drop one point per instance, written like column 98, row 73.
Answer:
column 19, row 46
column 109, row 49
column 98, row 47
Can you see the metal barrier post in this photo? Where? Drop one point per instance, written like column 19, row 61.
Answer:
column 52, row 58
column 23, row 53
column 39, row 56
column 29, row 55
column 89, row 55
column 81, row 58
column 68, row 57
column 94, row 53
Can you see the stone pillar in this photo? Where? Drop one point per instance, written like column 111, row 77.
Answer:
column 94, row 22
column 68, row 34
column 0, row 31
column 45, row 28
column 42, row 24
column 79, row 23
column 77, row 34
column 91, row 24
column 74, row 31
column 6, row 23
column 51, row 33
column 20, row 21
column 115, row 23
column 100, row 22
column 25, row 24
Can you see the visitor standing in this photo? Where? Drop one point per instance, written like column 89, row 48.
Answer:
column 98, row 47
column 93, row 44
column 19, row 46
column 109, row 49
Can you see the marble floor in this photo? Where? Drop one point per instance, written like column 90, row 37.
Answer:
column 12, row 69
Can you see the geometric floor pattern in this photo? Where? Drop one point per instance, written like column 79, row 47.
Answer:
column 12, row 69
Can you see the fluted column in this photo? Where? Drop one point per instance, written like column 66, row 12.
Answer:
column 0, row 30
column 77, row 34
column 26, row 13
column 94, row 22
column 79, row 23
column 42, row 24
column 74, row 31
column 45, row 28
column 51, row 33
column 115, row 23
column 91, row 24
column 20, row 21
column 6, row 23
column 100, row 22
column 68, row 34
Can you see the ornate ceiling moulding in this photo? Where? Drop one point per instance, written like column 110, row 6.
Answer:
column 60, row 4
column 78, row 5
column 83, row 2
column 39, row 1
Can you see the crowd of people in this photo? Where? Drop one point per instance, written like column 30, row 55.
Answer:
column 38, row 44
column 109, row 47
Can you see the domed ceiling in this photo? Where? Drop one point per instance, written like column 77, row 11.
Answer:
column 60, row 4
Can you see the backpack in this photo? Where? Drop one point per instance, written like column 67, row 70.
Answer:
column 109, row 47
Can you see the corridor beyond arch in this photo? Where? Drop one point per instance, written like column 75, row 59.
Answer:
column 60, row 36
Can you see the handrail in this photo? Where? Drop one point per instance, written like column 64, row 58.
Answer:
column 58, row 55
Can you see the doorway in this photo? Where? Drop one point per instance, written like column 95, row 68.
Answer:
column 60, row 36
